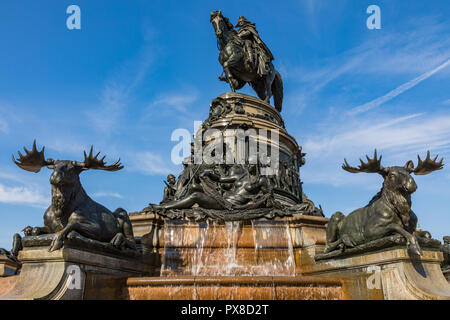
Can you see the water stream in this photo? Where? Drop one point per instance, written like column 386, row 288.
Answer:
column 230, row 249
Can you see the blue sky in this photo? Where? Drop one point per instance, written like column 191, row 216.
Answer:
column 137, row 70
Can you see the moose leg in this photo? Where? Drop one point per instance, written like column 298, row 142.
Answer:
column 330, row 246
column 84, row 227
column 412, row 225
column 125, row 238
column 411, row 241
column 333, row 240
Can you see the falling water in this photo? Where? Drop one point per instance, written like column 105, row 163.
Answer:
column 273, row 248
column 231, row 262
column 214, row 249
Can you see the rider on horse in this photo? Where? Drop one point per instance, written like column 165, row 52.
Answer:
column 262, row 57
column 245, row 58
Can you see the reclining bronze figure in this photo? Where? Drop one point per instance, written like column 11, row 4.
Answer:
column 389, row 212
column 71, row 208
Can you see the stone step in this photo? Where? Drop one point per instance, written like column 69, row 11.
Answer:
column 233, row 288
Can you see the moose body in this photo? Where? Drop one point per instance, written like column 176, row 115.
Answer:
column 389, row 212
column 71, row 208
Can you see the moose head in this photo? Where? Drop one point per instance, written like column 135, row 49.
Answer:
column 389, row 212
column 65, row 172
column 397, row 178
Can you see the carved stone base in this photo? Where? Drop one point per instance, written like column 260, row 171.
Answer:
column 389, row 274
column 70, row 273
column 231, row 260
column 8, row 267
column 387, row 242
column 234, row 288
column 447, row 274
column 258, row 248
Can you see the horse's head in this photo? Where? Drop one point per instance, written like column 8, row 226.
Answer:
column 220, row 23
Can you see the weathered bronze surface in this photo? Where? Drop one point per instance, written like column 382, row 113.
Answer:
column 389, row 212
column 220, row 221
column 231, row 192
column 72, row 210
column 446, row 252
column 246, row 59
column 16, row 247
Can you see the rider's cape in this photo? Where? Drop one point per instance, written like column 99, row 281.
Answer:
column 249, row 32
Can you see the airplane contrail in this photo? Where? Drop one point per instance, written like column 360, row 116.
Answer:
column 399, row 90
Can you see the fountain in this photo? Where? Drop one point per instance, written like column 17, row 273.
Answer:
column 244, row 254
column 235, row 224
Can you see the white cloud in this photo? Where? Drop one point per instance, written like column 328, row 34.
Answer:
column 23, row 195
column 150, row 163
column 113, row 102
column 418, row 48
column 117, row 93
column 398, row 139
column 4, row 126
column 179, row 101
column 107, row 194
column 397, row 91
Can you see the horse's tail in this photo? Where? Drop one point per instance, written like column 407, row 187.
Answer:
column 277, row 90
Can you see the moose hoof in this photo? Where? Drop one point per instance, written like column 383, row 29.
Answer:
column 118, row 240
column 415, row 249
column 57, row 243
column 348, row 241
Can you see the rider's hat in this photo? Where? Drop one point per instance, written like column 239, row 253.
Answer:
column 241, row 21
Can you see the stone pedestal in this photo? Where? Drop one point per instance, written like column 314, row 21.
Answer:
column 246, row 260
column 259, row 248
column 447, row 274
column 8, row 267
column 234, row 288
column 389, row 274
column 70, row 273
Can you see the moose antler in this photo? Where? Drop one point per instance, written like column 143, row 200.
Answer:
column 427, row 166
column 371, row 166
column 32, row 160
column 92, row 162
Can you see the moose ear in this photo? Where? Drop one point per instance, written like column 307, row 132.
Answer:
column 409, row 166
column 384, row 172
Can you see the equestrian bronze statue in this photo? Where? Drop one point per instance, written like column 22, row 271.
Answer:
column 71, row 208
column 246, row 59
column 389, row 212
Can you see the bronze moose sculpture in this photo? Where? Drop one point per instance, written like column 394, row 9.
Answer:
column 389, row 212
column 71, row 208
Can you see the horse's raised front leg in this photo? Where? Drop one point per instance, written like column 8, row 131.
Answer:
column 233, row 58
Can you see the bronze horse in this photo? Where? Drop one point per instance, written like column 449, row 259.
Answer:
column 238, row 71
